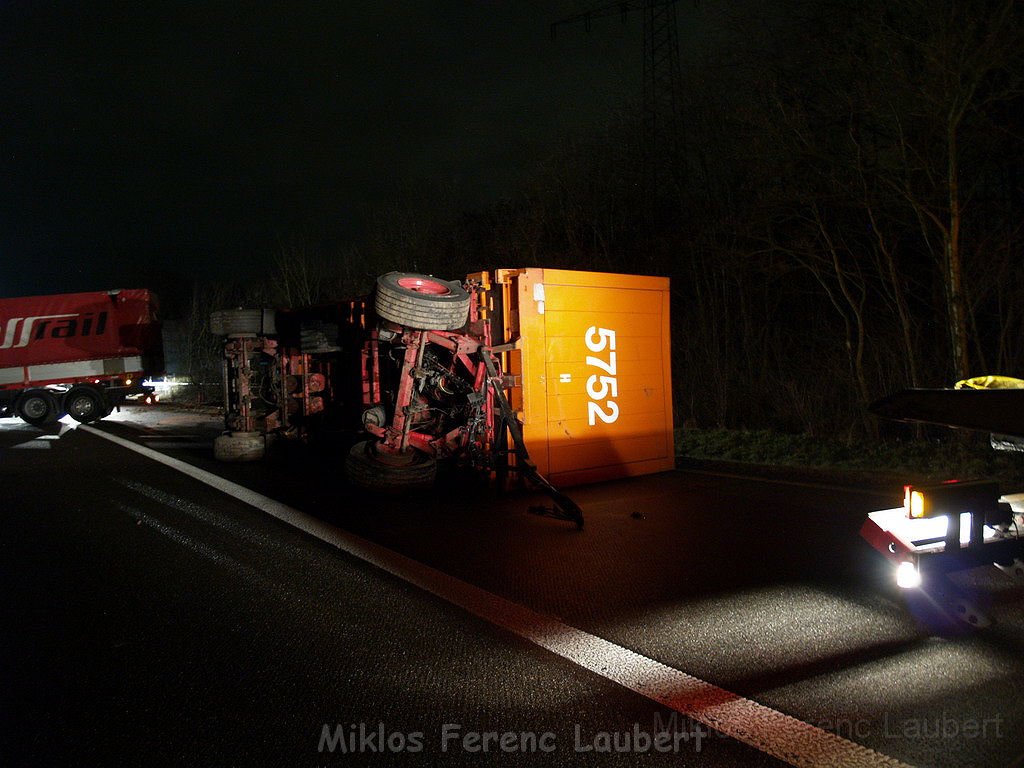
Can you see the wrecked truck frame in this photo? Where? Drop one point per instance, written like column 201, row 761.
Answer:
column 472, row 372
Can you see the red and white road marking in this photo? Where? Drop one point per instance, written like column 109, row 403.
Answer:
column 776, row 734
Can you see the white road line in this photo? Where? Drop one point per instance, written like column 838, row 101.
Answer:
column 767, row 730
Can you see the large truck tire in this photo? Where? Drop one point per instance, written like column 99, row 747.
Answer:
column 239, row 446
column 422, row 302
column 38, row 407
column 399, row 474
column 86, row 404
column 235, row 322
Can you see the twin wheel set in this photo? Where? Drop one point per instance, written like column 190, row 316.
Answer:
column 45, row 406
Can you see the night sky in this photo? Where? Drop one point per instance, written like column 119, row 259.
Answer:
column 144, row 144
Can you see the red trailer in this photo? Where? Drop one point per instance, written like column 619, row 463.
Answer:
column 76, row 353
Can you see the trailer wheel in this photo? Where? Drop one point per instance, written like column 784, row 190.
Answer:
column 38, row 407
column 85, row 405
column 366, row 469
column 231, row 322
column 422, row 302
column 239, row 446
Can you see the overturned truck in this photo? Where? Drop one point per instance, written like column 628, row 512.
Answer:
column 547, row 374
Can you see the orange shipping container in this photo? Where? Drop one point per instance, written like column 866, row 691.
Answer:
column 593, row 361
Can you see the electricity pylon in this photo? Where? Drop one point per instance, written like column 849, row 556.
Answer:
column 662, row 85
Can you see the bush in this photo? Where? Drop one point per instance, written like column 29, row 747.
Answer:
column 953, row 455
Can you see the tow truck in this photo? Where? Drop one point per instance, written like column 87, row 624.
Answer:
column 958, row 524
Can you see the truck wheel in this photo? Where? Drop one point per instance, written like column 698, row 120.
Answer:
column 85, row 405
column 231, row 322
column 239, row 446
column 367, row 469
column 422, row 302
column 38, row 407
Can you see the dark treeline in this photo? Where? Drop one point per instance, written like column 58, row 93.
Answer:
column 841, row 217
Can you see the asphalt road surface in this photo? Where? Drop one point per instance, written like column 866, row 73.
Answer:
column 156, row 615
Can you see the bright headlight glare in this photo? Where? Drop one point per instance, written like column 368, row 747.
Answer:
column 907, row 575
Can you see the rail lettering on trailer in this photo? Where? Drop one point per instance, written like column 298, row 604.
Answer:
column 602, row 386
column 43, row 325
